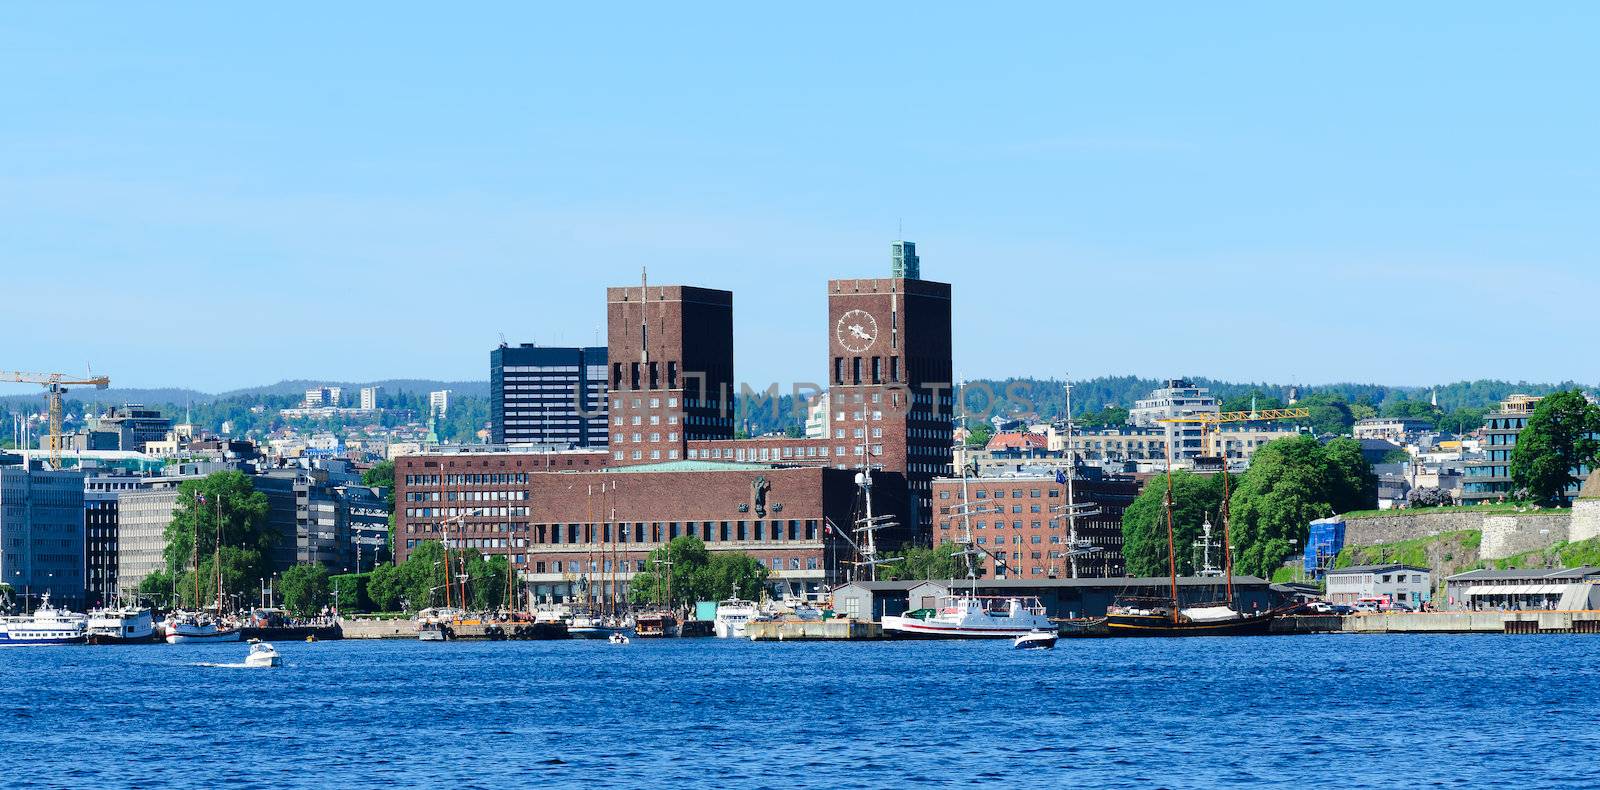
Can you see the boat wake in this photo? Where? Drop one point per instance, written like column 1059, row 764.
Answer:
column 216, row 665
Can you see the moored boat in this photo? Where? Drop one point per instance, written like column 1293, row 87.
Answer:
column 121, row 626
column 655, row 625
column 48, row 625
column 732, row 615
column 971, row 617
column 184, row 628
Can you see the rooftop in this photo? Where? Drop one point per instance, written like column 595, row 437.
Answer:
column 1518, row 574
column 1390, row 568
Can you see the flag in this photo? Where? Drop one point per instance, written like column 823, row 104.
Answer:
column 827, row 528
column 1061, row 478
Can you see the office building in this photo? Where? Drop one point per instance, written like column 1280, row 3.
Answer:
column 548, row 396
column 41, row 534
column 1179, row 398
column 369, row 398
column 438, row 403
column 1488, row 479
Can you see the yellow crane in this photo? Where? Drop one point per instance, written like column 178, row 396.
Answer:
column 56, row 385
column 1209, row 422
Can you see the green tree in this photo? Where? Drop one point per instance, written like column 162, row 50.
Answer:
column 1291, row 482
column 1330, row 414
column 1195, row 498
column 1107, row 417
column 695, row 574
column 1557, row 443
column 979, row 434
column 1255, row 399
column 157, row 588
column 247, row 541
column 385, row 589
column 305, row 589
column 920, row 563
column 350, row 592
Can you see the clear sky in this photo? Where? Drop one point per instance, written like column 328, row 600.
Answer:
column 217, row 197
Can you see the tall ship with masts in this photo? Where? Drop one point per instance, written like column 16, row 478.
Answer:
column 203, row 626
column 1168, row 615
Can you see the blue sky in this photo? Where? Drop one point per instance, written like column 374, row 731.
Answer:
column 215, row 197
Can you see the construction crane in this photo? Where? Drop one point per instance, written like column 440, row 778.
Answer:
column 55, row 384
column 1209, row 422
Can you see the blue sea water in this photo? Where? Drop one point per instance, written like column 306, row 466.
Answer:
column 1339, row 711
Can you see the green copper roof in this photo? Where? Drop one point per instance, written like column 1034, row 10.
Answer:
column 690, row 466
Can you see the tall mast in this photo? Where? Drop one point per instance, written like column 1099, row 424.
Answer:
column 968, row 551
column 1072, row 506
column 1172, row 557
column 217, row 557
column 196, row 556
column 1227, row 540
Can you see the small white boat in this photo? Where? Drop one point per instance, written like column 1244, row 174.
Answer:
column 1035, row 640
column 262, row 655
column 618, row 639
column 971, row 617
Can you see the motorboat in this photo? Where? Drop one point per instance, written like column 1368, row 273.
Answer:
column 732, row 615
column 1035, row 640
column 433, row 632
column 971, row 617
column 262, row 654
column 121, row 625
column 618, row 638
column 48, row 625
column 655, row 625
column 196, row 628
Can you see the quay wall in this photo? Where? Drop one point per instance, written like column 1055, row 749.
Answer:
column 1472, row 622
column 378, row 629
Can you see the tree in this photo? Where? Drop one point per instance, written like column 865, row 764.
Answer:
column 920, row 563
column 1290, row 483
column 1557, row 443
column 979, row 434
column 1195, row 498
column 305, row 589
column 1107, row 417
column 1256, row 399
column 1329, row 413
column 247, row 541
column 695, row 574
column 156, row 587
column 385, row 588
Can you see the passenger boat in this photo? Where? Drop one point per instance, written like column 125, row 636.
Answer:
column 185, row 628
column 971, row 617
column 48, row 625
column 655, row 625
column 732, row 615
column 121, row 625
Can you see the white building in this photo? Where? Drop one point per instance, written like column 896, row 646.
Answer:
column 1406, row 584
column 369, row 398
column 439, row 402
column 1180, row 398
column 817, row 417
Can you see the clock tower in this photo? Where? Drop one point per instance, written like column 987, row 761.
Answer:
column 889, row 382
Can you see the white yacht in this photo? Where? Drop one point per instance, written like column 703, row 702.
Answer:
column 732, row 615
column 971, row 617
column 187, row 628
column 48, row 625
column 262, row 655
column 121, row 625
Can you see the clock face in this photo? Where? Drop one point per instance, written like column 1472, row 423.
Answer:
column 857, row 330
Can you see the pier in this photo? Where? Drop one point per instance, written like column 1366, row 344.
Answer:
column 1497, row 622
column 811, row 630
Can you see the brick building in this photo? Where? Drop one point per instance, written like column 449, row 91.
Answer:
column 671, row 353
column 1015, row 517
column 564, row 527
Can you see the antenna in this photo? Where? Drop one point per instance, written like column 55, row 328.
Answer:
column 644, row 320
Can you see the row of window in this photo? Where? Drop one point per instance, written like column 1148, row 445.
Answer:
column 487, row 478
column 776, row 530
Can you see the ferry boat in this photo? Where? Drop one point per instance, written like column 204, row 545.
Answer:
column 732, row 615
column 184, row 628
column 121, row 625
column 971, row 617
column 48, row 625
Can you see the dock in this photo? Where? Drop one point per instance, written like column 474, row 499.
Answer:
column 1497, row 622
column 811, row 630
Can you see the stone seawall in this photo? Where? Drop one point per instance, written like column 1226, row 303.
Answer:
column 378, row 629
column 1503, row 535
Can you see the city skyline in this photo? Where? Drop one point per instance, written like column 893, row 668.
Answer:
column 1096, row 213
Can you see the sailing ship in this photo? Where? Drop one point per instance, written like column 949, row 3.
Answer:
column 203, row 626
column 1167, row 615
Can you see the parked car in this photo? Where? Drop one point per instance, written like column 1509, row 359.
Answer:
column 1397, row 606
column 1366, row 606
column 1342, row 608
column 1320, row 607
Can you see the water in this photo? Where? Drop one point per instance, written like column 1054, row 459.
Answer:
column 1337, row 711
